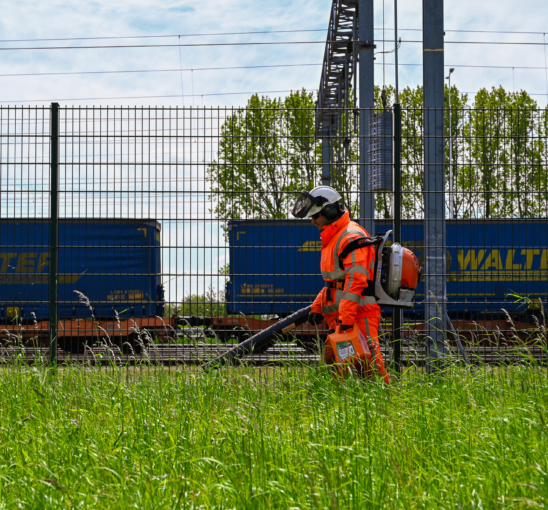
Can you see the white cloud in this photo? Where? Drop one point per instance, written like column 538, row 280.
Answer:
column 88, row 19
column 63, row 19
column 488, row 15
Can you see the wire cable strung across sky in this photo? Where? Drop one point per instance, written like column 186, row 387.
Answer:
column 246, row 67
column 269, row 43
column 193, row 95
column 108, row 47
column 207, row 44
column 252, row 32
column 154, row 97
column 163, row 36
column 162, row 70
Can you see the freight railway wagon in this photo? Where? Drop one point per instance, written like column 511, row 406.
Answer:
column 274, row 266
column 108, row 270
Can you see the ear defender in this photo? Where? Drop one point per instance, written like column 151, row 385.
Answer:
column 331, row 212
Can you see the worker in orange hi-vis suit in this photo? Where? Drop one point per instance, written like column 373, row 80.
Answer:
column 348, row 297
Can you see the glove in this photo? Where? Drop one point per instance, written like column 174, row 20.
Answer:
column 345, row 327
column 315, row 318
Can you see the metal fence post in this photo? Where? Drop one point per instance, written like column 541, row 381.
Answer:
column 326, row 160
column 396, row 313
column 54, row 235
column 367, row 105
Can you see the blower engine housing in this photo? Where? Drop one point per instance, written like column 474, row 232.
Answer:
column 397, row 275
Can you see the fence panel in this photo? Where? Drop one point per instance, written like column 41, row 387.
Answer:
column 176, row 239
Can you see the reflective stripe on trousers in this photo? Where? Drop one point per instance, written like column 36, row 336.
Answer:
column 371, row 330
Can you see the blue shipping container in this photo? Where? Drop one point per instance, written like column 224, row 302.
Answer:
column 114, row 263
column 275, row 264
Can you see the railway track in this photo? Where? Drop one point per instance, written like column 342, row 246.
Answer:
column 280, row 354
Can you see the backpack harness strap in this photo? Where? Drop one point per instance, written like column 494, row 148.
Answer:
column 356, row 244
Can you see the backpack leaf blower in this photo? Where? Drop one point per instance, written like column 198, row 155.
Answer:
column 397, row 275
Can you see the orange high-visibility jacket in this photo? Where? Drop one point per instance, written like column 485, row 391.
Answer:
column 345, row 302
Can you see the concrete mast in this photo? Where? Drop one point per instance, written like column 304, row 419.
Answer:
column 434, row 179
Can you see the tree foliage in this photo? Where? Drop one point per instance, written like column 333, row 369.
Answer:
column 268, row 151
column 505, row 173
column 209, row 304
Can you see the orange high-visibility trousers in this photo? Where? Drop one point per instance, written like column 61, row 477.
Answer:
column 370, row 329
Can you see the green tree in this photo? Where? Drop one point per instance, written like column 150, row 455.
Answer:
column 484, row 133
column 209, row 304
column 506, row 149
column 521, row 110
column 411, row 154
column 268, row 151
column 539, row 165
column 455, row 135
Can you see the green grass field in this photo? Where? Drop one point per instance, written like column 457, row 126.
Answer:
column 272, row 438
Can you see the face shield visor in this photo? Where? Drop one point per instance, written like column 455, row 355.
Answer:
column 307, row 205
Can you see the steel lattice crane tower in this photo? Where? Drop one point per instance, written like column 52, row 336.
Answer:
column 349, row 62
column 349, row 40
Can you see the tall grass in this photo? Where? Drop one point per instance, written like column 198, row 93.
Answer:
column 272, row 438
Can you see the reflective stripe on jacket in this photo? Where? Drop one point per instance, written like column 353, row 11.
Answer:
column 346, row 303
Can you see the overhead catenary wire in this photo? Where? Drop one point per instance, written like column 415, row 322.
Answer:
column 150, row 97
column 157, row 70
column 179, row 45
column 479, row 31
column 246, row 67
column 185, row 45
column 248, row 43
column 189, row 95
column 160, row 36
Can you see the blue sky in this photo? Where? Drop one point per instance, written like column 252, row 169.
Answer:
column 57, row 19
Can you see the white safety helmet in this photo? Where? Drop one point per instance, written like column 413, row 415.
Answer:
column 309, row 204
